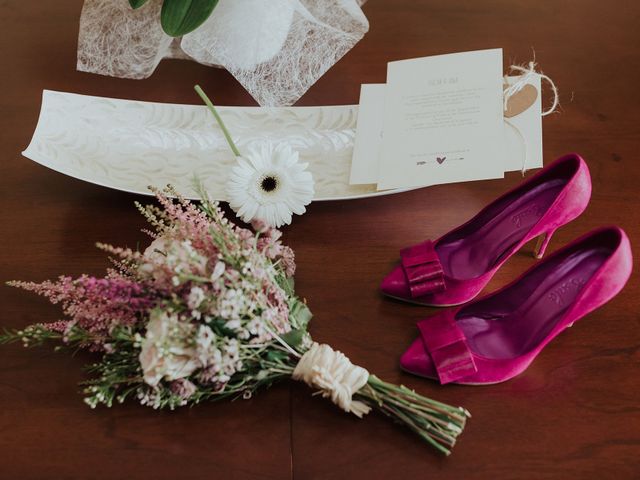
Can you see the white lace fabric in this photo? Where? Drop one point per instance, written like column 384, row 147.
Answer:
column 276, row 49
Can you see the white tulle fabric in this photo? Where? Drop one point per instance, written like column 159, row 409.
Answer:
column 331, row 372
column 276, row 49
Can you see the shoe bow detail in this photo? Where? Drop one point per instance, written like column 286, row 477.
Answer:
column 422, row 268
column 446, row 345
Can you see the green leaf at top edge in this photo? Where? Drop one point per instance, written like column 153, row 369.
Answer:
column 179, row 17
column 137, row 3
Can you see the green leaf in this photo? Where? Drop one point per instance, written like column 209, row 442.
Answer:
column 137, row 3
column 301, row 313
column 179, row 17
column 276, row 355
column 287, row 284
column 294, row 337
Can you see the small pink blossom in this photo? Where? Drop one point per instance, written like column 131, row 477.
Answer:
column 96, row 304
column 183, row 388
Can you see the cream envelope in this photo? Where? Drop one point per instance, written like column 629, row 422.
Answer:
column 523, row 132
column 366, row 148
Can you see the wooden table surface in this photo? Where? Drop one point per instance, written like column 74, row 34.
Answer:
column 575, row 413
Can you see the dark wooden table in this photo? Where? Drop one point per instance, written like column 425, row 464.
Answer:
column 575, row 413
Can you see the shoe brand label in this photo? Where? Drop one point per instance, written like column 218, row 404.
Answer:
column 532, row 211
column 559, row 294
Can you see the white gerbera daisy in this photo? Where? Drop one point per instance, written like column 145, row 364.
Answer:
column 269, row 184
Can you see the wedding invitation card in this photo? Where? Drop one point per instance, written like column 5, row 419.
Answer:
column 441, row 120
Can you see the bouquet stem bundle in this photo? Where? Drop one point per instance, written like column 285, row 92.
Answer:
column 208, row 311
column 436, row 423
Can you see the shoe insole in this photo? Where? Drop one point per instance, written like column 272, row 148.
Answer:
column 503, row 335
column 479, row 251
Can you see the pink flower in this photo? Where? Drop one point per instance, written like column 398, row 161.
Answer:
column 167, row 352
column 288, row 261
column 260, row 226
column 96, row 304
column 183, row 388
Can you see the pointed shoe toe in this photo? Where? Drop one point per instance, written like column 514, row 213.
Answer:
column 395, row 284
column 417, row 361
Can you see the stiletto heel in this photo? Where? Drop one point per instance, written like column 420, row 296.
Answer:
column 454, row 268
column 497, row 337
column 541, row 244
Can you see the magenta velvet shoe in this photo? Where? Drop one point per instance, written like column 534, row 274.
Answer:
column 495, row 338
column 456, row 267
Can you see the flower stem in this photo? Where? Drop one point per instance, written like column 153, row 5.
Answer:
column 213, row 110
column 435, row 422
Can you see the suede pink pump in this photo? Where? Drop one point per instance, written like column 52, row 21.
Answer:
column 496, row 338
column 456, row 267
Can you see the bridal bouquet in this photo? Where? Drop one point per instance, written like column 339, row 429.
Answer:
column 208, row 311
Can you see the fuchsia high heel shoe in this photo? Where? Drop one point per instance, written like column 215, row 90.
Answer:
column 456, row 267
column 495, row 338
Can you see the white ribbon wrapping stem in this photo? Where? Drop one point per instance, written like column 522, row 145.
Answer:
column 331, row 372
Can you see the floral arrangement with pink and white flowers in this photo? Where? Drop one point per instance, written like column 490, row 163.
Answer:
column 208, row 311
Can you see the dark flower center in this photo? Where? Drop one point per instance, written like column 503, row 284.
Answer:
column 269, row 183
